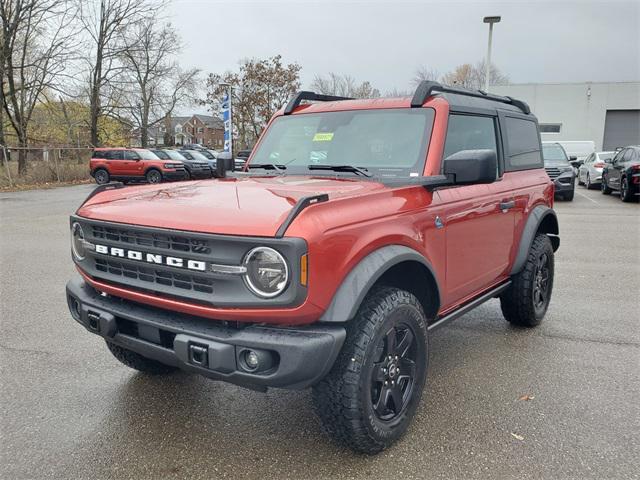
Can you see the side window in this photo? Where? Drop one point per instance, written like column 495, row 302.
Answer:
column 113, row 155
column 131, row 155
column 590, row 158
column 468, row 132
column 628, row 155
column 523, row 143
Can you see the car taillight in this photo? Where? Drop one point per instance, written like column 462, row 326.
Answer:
column 598, row 164
column 636, row 168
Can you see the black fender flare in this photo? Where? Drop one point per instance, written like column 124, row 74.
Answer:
column 543, row 219
column 364, row 275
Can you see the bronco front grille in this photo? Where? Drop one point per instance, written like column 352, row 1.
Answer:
column 156, row 240
column 178, row 263
column 185, row 281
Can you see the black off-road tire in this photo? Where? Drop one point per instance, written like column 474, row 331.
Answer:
column 344, row 399
column 519, row 302
column 604, row 187
column 138, row 362
column 153, row 176
column 101, row 176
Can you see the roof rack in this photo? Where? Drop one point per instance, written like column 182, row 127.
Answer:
column 305, row 95
column 426, row 88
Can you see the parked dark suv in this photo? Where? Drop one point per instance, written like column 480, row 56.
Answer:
column 557, row 165
column 623, row 174
column 195, row 169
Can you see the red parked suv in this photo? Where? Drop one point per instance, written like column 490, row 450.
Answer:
column 127, row 164
column 358, row 227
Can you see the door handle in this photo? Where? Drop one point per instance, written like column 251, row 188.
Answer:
column 504, row 206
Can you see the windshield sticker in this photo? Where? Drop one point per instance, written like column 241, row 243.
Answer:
column 323, row 137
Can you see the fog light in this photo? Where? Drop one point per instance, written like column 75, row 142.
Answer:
column 251, row 359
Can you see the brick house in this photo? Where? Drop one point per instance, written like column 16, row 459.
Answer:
column 203, row 129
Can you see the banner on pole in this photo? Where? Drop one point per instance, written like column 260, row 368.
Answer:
column 226, row 118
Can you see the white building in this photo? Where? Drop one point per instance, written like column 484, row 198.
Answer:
column 606, row 113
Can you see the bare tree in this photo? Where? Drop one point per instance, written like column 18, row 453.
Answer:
column 35, row 47
column 472, row 76
column 154, row 83
column 106, row 22
column 424, row 73
column 260, row 88
column 343, row 86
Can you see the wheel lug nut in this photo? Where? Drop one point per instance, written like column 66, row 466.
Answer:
column 384, row 370
column 386, row 382
column 396, row 357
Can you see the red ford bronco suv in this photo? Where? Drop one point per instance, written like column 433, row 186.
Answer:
column 129, row 164
column 357, row 227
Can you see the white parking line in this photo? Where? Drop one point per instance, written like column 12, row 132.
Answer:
column 588, row 198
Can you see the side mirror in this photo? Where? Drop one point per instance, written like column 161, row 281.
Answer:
column 468, row 167
column 576, row 163
column 608, row 160
column 224, row 164
column 573, row 158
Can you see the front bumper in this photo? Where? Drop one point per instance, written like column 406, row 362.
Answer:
column 176, row 174
column 299, row 357
column 200, row 172
column 564, row 183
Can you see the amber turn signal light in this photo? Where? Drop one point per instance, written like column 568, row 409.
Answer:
column 304, row 270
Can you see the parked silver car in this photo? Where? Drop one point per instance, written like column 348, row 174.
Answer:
column 590, row 172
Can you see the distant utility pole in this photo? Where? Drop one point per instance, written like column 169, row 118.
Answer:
column 490, row 21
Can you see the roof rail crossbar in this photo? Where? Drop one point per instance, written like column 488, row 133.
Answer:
column 426, row 88
column 312, row 96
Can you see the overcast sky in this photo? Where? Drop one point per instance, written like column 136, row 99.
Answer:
column 384, row 42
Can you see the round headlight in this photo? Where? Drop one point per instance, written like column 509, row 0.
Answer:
column 267, row 272
column 77, row 241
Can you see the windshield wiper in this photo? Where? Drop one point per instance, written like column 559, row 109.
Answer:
column 267, row 166
column 341, row 168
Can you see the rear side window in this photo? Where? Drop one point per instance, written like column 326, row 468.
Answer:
column 523, row 143
column 108, row 154
column 467, row 132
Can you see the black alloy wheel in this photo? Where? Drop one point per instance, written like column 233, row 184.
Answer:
column 393, row 374
column 154, row 176
column 101, row 176
column 541, row 285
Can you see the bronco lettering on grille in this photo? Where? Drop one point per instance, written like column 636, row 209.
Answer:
column 152, row 258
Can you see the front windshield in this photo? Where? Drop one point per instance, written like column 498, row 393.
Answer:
column 554, row 153
column 197, row 155
column 161, row 155
column 148, row 154
column 173, row 155
column 385, row 142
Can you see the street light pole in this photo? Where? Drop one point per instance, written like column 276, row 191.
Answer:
column 490, row 21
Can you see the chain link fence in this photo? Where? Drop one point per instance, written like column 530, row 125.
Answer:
column 44, row 165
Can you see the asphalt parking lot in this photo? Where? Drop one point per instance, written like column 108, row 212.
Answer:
column 70, row 410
